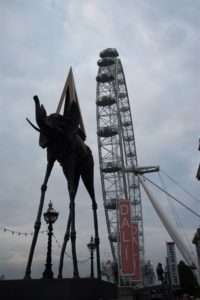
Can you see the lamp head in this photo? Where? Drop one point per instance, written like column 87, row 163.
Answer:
column 51, row 214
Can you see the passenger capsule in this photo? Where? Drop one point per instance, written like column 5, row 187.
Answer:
column 113, row 237
column 124, row 108
column 122, row 95
column 128, row 138
column 110, row 167
column 137, row 218
column 131, row 154
column 110, row 204
column 136, row 202
column 105, row 77
column 126, row 123
column 109, row 52
column 106, row 62
column 106, row 101
column 121, row 81
column 107, row 131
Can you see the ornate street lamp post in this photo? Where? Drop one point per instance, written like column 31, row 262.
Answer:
column 50, row 217
column 92, row 246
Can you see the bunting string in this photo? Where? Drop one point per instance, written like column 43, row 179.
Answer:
column 19, row 233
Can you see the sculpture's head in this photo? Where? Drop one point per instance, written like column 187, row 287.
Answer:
column 55, row 122
column 54, row 126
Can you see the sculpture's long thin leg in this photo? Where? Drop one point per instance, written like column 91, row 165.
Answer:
column 97, row 242
column 73, row 235
column 66, row 239
column 87, row 177
column 38, row 219
column 73, row 180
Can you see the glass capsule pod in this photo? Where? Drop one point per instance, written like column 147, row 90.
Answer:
column 110, row 167
column 106, row 62
column 107, row 131
column 105, row 77
column 128, row 138
column 113, row 237
column 109, row 52
column 106, row 101
column 110, row 204
column 122, row 95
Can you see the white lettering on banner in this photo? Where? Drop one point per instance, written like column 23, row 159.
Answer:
column 125, row 223
column 126, row 245
column 124, row 209
column 124, row 238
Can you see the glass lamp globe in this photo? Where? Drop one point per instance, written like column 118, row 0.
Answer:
column 51, row 214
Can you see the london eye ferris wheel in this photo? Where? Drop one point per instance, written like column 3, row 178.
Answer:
column 117, row 149
column 120, row 174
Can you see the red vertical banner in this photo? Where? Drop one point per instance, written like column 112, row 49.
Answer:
column 126, row 243
column 136, row 253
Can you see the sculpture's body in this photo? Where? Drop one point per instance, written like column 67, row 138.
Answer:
column 64, row 141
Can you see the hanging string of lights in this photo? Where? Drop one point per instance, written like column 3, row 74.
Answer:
column 5, row 229
column 19, row 233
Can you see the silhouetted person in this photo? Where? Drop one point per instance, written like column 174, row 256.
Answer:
column 160, row 272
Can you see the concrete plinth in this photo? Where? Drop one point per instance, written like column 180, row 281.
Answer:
column 57, row 289
column 128, row 293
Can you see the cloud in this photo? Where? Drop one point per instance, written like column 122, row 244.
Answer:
column 158, row 43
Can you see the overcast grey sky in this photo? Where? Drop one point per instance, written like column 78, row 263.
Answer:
column 159, row 45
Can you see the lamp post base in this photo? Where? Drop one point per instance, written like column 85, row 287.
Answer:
column 48, row 273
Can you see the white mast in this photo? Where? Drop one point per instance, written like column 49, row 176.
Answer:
column 172, row 231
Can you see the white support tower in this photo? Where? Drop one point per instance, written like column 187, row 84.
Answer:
column 171, row 230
